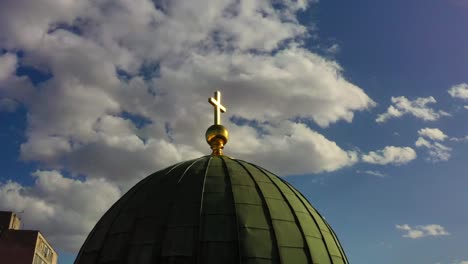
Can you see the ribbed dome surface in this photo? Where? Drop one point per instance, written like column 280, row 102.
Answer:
column 214, row 209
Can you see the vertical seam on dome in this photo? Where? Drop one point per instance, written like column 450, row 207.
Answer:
column 134, row 224
column 228, row 176
column 188, row 168
column 267, row 211
column 174, row 167
column 306, row 244
column 335, row 237
column 197, row 246
column 115, row 218
column 308, row 210
column 171, row 207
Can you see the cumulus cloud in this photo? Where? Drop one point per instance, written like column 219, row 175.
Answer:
column 432, row 133
column 124, row 153
column 290, row 137
column 421, row 231
column 390, row 155
column 168, row 77
column 459, row 91
column 129, row 82
column 436, row 150
column 63, row 209
column 417, row 108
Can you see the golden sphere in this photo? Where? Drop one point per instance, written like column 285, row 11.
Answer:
column 218, row 132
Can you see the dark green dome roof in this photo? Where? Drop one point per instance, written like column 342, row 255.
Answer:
column 214, row 209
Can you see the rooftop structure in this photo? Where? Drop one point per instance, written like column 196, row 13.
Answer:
column 19, row 246
column 214, row 209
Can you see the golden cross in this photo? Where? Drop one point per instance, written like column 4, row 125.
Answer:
column 216, row 102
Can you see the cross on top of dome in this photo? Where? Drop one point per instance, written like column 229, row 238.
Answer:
column 218, row 107
column 217, row 135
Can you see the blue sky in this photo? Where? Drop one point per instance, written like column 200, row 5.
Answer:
column 93, row 98
column 397, row 48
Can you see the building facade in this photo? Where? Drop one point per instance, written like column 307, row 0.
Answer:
column 19, row 246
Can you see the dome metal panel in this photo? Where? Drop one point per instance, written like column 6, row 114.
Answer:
column 214, row 209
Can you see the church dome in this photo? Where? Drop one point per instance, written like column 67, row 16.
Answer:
column 214, row 209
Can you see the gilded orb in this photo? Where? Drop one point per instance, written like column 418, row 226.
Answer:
column 217, row 136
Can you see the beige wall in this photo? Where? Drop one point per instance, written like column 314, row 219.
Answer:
column 44, row 253
column 15, row 222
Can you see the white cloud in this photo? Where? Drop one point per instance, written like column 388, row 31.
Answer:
column 13, row 89
column 417, row 108
column 459, row 91
column 421, row 231
column 432, row 133
column 437, row 151
column 83, row 120
column 390, row 155
column 63, row 209
column 294, row 138
column 118, row 146
column 272, row 87
column 373, row 173
column 428, row 140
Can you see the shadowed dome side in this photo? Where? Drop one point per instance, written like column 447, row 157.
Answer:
column 214, row 209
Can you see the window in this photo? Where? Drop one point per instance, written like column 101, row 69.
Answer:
column 47, row 252
column 38, row 260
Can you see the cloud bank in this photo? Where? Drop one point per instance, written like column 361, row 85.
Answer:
column 123, row 91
